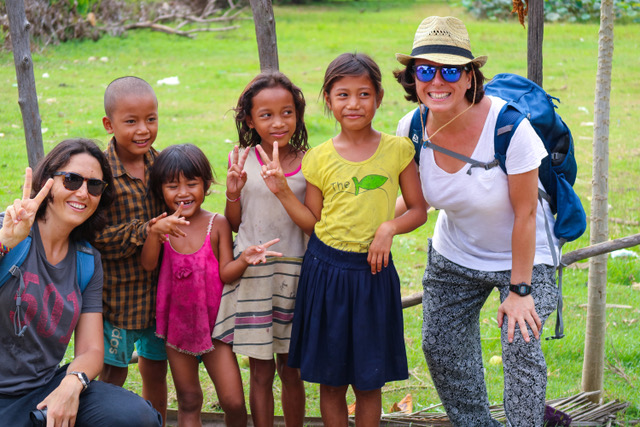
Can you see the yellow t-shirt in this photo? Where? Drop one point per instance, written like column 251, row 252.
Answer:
column 358, row 196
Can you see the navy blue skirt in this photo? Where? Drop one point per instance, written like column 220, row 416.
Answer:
column 347, row 325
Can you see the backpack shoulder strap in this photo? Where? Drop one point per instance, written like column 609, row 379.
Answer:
column 416, row 128
column 509, row 118
column 84, row 263
column 14, row 258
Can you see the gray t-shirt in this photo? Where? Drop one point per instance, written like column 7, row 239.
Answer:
column 51, row 306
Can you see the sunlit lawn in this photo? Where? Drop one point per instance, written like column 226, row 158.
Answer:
column 214, row 68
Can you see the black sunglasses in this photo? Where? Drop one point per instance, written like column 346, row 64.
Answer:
column 73, row 181
column 449, row 73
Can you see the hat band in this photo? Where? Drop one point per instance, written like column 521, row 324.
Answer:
column 442, row 48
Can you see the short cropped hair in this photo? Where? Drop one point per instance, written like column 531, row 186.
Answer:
column 124, row 86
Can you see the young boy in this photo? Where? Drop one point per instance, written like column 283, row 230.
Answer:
column 129, row 292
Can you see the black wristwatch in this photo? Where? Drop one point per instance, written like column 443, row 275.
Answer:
column 82, row 377
column 523, row 289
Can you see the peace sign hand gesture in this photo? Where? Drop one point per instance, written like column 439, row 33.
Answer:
column 236, row 176
column 272, row 172
column 20, row 216
column 258, row 253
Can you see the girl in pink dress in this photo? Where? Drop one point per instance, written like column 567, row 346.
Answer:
column 193, row 269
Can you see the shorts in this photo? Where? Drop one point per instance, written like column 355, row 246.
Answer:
column 119, row 345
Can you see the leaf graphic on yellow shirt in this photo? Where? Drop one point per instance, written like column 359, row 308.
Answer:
column 369, row 182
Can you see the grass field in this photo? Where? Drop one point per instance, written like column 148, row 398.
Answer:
column 214, row 68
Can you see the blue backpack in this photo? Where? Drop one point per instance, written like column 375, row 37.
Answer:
column 11, row 262
column 557, row 171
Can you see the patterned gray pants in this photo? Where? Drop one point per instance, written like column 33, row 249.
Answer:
column 452, row 299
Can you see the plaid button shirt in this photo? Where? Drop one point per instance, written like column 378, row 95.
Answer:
column 129, row 292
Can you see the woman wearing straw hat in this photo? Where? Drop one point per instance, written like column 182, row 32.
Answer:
column 489, row 232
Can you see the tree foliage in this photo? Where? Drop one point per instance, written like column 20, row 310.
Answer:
column 556, row 10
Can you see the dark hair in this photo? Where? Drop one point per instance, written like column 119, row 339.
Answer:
column 249, row 137
column 176, row 160
column 405, row 76
column 351, row 65
column 125, row 86
column 56, row 160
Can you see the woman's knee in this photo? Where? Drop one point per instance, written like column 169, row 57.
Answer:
column 145, row 416
column 433, row 343
column 106, row 405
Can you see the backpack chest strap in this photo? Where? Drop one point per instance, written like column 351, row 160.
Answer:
column 474, row 163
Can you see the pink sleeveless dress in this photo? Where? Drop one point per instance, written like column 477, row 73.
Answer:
column 189, row 292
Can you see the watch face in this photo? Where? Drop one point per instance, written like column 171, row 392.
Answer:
column 82, row 377
column 85, row 378
column 521, row 289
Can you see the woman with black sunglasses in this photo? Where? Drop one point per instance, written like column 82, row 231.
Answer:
column 55, row 292
column 489, row 233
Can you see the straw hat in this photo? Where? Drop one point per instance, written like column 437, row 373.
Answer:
column 443, row 40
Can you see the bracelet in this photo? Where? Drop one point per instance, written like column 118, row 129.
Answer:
column 232, row 200
column 5, row 250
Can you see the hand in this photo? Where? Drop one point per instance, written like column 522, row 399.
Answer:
column 272, row 172
column 20, row 216
column 520, row 310
column 236, row 175
column 163, row 224
column 258, row 254
column 162, row 237
column 62, row 404
column 380, row 248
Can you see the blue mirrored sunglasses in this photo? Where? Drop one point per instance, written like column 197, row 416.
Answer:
column 449, row 73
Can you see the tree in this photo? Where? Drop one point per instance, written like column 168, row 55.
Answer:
column 27, row 97
column 593, row 365
column 265, row 24
column 535, row 35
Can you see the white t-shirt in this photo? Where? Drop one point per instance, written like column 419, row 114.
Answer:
column 475, row 224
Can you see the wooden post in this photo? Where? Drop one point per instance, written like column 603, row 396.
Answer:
column 27, row 97
column 265, row 24
column 535, row 35
column 594, row 350
column 567, row 259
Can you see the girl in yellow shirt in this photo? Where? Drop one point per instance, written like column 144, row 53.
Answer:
column 347, row 325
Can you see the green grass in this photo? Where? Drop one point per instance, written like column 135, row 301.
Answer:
column 214, row 68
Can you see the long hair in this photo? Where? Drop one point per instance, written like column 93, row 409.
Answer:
column 56, row 160
column 249, row 137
